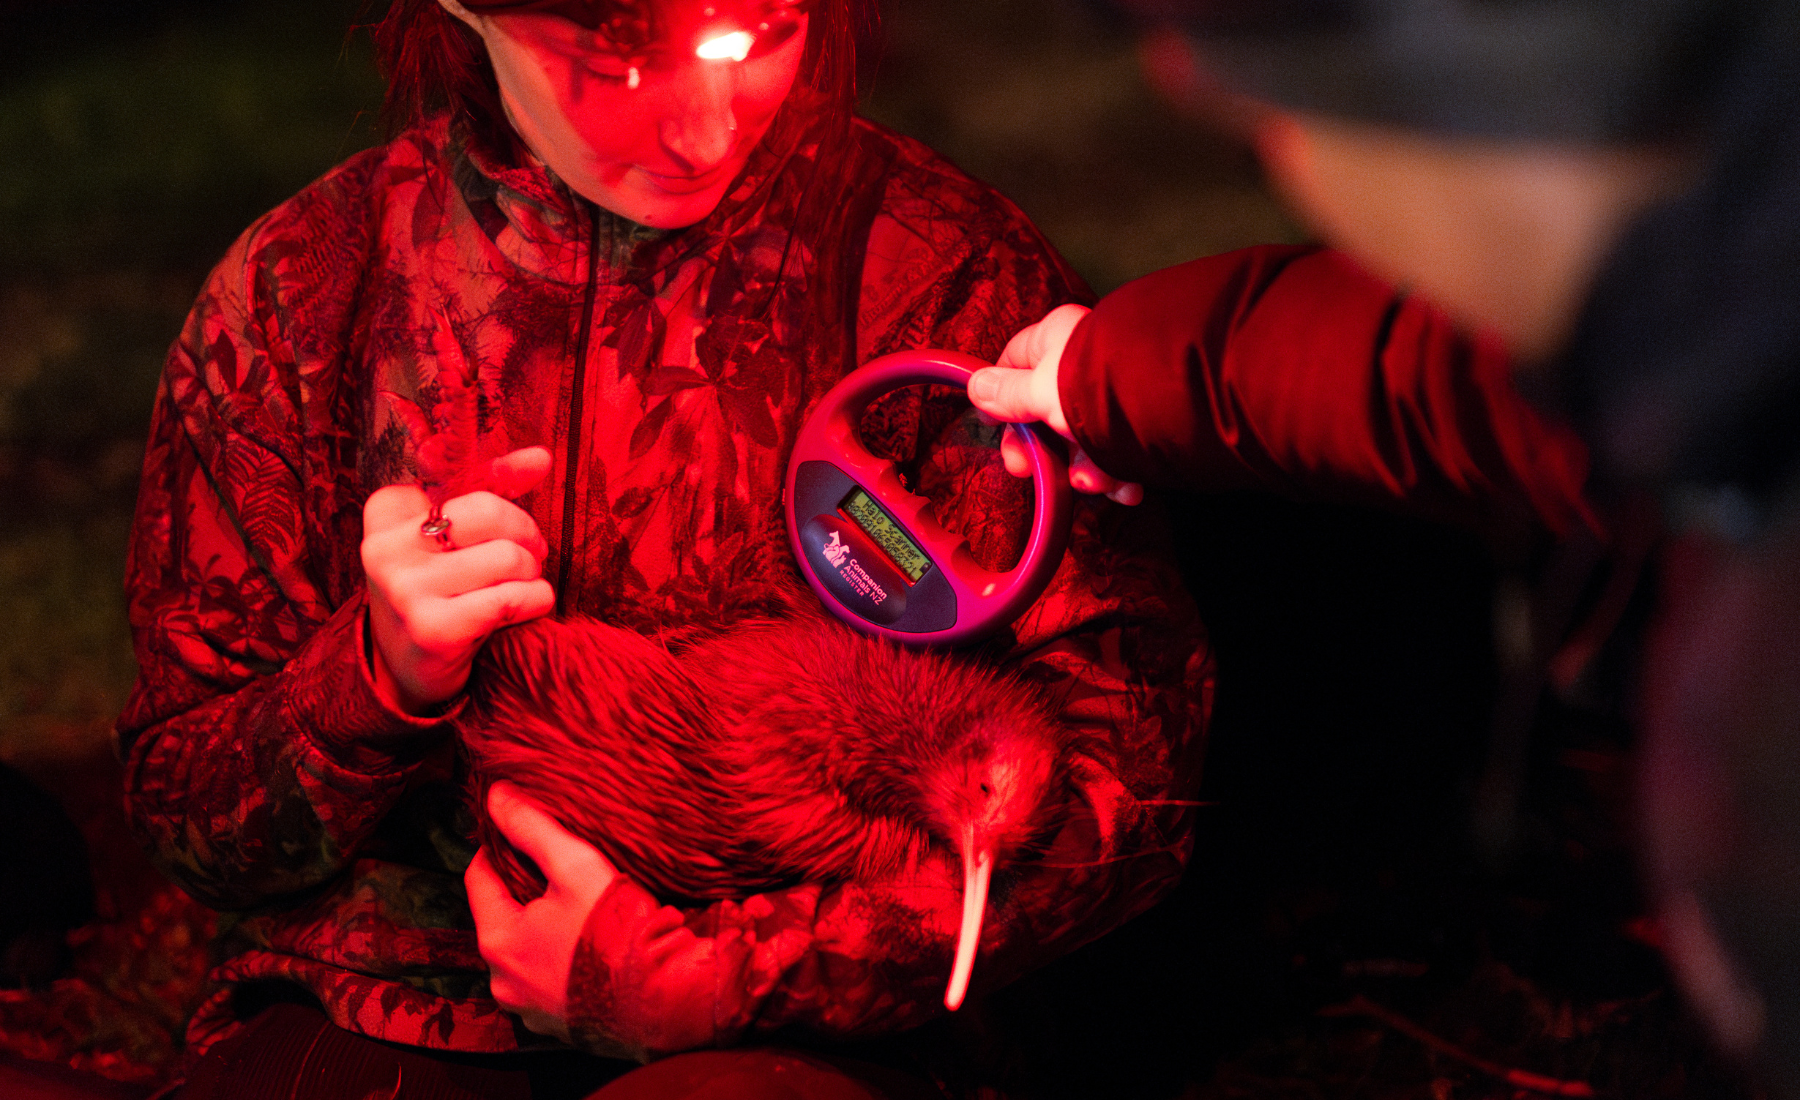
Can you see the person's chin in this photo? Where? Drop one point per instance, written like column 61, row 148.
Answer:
column 664, row 202
column 672, row 202
column 668, row 214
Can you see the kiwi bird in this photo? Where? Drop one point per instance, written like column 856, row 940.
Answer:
column 776, row 752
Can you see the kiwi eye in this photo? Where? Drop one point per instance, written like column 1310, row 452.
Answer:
column 986, row 790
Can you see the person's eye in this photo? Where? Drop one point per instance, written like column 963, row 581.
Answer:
column 609, row 66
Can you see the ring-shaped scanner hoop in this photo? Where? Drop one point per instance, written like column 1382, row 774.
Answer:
column 955, row 601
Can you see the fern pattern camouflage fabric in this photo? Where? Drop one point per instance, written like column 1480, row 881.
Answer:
column 438, row 300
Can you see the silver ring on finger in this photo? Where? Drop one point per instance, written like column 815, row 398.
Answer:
column 437, row 528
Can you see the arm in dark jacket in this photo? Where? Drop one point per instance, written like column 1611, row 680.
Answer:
column 1290, row 369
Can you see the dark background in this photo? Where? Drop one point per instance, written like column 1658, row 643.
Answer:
column 1336, row 856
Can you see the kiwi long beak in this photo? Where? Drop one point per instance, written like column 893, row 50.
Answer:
column 978, row 867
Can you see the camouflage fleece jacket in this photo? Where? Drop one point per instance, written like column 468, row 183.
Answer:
column 443, row 286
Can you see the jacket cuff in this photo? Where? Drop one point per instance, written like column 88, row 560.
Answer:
column 642, row 984
column 333, row 699
column 1088, row 401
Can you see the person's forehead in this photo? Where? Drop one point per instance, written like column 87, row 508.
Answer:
column 646, row 17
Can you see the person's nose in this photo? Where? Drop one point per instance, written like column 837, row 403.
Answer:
column 700, row 129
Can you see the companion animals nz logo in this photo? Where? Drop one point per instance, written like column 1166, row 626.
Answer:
column 851, row 570
column 835, row 551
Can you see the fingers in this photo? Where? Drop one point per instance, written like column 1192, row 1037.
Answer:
column 475, row 517
column 458, row 624
column 529, row 948
column 431, row 608
column 413, row 575
column 498, row 929
column 393, row 514
column 511, row 603
column 480, row 517
column 1015, row 453
column 510, row 475
column 448, row 575
column 1128, row 493
column 1086, row 477
column 566, row 860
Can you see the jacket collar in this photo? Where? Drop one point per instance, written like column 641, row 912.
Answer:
column 509, row 188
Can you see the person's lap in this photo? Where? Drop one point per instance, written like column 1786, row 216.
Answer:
column 292, row 1052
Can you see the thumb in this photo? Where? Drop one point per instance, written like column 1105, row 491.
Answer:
column 1022, row 385
column 487, row 890
column 512, row 475
column 1004, row 394
column 563, row 857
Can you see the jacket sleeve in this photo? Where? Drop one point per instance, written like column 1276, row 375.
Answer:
column 257, row 753
column 1114, row 639
column 1290, row 369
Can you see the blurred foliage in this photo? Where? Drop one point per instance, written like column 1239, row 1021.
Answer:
column 134, row 146
column 136, row 141
column 154, row 151
column 1049, row 104
column 65, row 659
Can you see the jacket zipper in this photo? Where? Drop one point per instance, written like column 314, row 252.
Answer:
column 572, row 465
